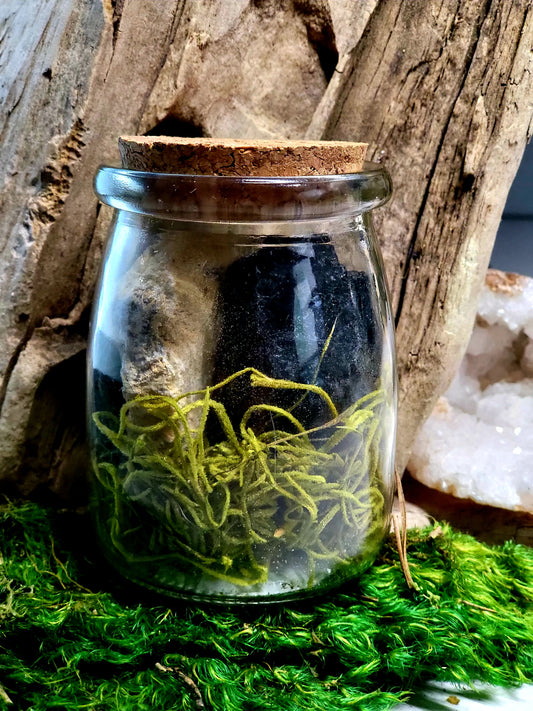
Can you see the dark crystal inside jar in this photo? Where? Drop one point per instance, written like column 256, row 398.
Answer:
column 242, row 400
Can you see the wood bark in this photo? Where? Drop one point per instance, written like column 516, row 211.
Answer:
column 443, row 88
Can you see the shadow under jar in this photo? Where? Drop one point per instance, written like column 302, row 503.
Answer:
column 242, row 384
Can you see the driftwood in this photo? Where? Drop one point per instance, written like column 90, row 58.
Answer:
column 444, row 89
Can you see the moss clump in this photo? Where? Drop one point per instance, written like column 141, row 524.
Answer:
column 67, row 642
column 165, row 493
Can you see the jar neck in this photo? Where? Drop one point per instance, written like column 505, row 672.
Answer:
column 274, row 232
column 244, row 200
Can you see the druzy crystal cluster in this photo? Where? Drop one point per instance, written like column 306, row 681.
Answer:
column 478, row 443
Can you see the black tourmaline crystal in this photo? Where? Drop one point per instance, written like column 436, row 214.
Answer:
column 295, row 313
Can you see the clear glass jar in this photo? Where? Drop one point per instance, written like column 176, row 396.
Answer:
column 242, row 385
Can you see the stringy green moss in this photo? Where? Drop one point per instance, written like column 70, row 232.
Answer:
column 228, row 508
column 67, row 642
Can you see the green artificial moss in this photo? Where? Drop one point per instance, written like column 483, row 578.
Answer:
column 72, row 640
column 224, row 508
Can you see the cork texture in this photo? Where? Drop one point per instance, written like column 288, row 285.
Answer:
column 215, row 156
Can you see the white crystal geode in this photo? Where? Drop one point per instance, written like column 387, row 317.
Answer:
column 478, row 442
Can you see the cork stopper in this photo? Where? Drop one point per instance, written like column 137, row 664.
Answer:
column 222, row 156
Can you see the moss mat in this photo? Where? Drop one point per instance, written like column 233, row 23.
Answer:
column 70, row 638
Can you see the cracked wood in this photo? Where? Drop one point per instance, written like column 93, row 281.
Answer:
column 444, row 89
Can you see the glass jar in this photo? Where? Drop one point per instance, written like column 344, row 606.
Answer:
column 242, row 385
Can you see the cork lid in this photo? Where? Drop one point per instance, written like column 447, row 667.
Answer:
column 232, row 157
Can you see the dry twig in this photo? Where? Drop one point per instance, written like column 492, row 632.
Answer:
column 400, row 531
column 187, row 680
column 3, row 695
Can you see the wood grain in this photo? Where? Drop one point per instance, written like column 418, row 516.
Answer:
column 450, row 103
column 443, row 88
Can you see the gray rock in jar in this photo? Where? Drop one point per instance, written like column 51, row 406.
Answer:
column 168, row 301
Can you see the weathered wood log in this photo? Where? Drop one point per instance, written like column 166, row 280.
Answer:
column 445, row 89
column 451, row 103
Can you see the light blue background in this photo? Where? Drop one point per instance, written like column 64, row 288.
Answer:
column 513, row 250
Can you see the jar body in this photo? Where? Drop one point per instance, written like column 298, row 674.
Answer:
column 242, row 405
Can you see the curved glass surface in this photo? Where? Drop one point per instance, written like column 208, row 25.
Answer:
column 206, row 198
column 241, row 384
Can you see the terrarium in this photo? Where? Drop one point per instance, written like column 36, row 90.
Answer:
column 242, row 386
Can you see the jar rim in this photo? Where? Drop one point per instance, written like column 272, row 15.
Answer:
column 243, row 199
